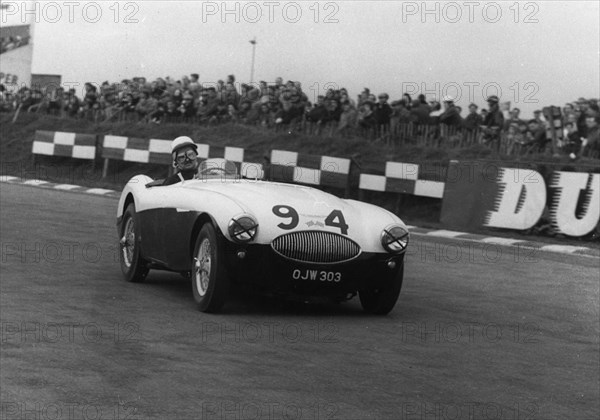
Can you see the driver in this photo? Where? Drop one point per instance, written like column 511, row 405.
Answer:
column 185, row 160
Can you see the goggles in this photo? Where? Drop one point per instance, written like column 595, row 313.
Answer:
column 190, row 154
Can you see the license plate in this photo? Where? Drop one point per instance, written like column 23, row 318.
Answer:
column 317, row 275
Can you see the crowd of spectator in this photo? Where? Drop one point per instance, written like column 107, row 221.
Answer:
column 572, row 130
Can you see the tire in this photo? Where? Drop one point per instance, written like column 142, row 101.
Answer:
column 210, row 282
column 133, row 266
column 381, row 301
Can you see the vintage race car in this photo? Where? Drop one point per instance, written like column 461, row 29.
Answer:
column 228, row 232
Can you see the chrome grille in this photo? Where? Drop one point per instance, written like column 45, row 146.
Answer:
column 316, row 247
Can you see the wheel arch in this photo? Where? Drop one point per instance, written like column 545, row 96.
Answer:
column 128, row 200
column 202, row 219
column 121, row 208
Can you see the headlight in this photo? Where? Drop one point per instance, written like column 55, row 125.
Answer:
column 243, row 228
column 394, row 239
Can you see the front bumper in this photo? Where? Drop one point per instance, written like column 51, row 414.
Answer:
column 264, row 269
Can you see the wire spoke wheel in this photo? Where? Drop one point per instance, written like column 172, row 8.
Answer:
column 203, row 265
column 210, row 282
column 133, row 266
column 128, row 242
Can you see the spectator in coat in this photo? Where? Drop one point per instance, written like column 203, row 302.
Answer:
column 473, row 120
column 230, row 95
column 319, row 111
column 177, row 97
column 186, row 108
column 450, row 116
column 55, row 101
column 383, row 113
column 194, row 83
column 514, row 119
column 366, row 118
column 436, row 111
column 278, row 83
column 572, row 140
column 72, row 104
column 291, row 108
column 146, row 106
column 420, row 112
column 591, row 144
column 348, row 119
column 5, row 100
column 208, row 105
column 538, row 115
column 243, row 113
column 567, row 110
column 581, row 111
column 364, row 96
column 127, row 104
column 345, row 97
column 334, row 111
column 493, row 123
column 171, row 112
column 400, row 111
column 265, row 117
column 516, row 139
column 90, row 98
column 536, row 136
column 407, row 100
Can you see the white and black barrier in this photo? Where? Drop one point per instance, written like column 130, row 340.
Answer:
column 158, row 151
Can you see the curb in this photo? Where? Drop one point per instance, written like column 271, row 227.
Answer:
column 63, row 187
column 414, row 230
column 502, row 241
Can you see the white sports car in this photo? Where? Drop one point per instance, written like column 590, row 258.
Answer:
column 227, row 232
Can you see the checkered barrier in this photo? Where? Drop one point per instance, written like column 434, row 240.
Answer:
column 157, row 151
column 250, row 170
column 401, row 178
column 58, row 143
column 300, row 168
column 133, row 149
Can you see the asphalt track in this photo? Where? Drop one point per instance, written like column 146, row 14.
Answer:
column 480, row 331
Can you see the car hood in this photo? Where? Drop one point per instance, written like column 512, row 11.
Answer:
column 262, row 196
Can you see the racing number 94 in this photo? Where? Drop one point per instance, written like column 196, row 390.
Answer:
column 335, row 218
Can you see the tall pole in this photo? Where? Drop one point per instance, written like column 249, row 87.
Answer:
column 253, row 42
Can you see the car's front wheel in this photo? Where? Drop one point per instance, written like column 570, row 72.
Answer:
column 382, row 300
column 133, row 266
column 210, row 282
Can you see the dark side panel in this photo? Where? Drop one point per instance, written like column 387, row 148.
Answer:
column 166, row 235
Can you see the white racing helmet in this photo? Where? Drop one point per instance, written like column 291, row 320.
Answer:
column 180, row 142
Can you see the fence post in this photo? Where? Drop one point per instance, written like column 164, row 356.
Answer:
column 98, row 147
column 353, row 177
column 17, row 112
column 105, row 168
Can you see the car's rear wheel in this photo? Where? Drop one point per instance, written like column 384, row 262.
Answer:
column 210, row 282
column 133, row 266
column 382, row 300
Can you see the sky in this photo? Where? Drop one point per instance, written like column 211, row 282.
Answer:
column 532, row 54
